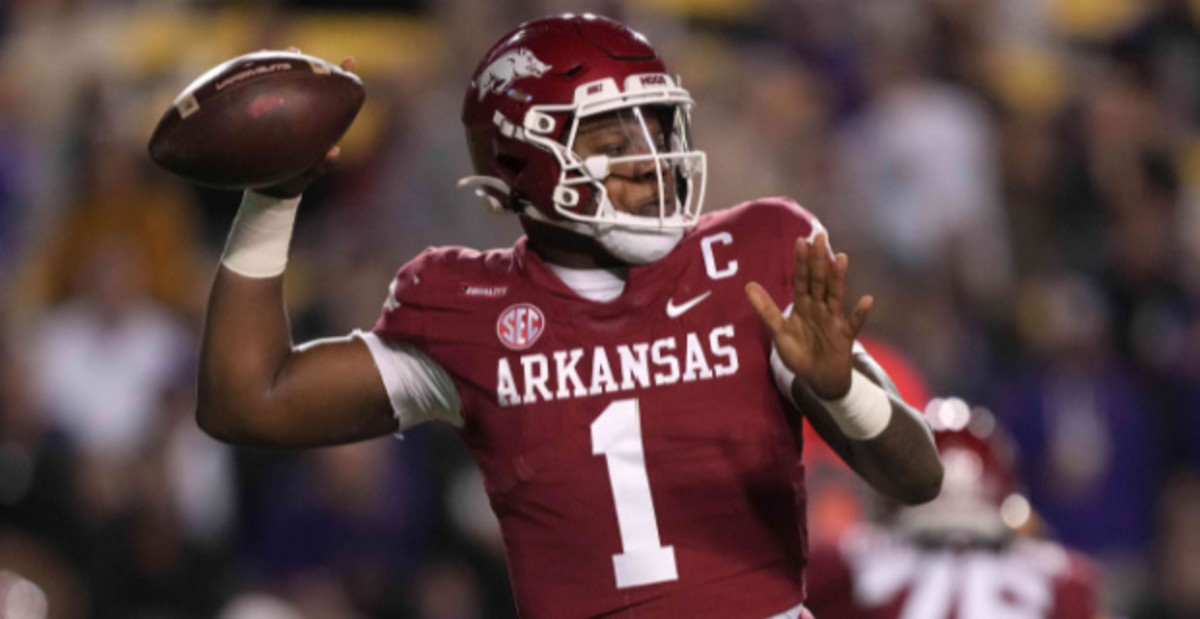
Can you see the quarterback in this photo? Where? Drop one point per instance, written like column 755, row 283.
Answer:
column 630, row 376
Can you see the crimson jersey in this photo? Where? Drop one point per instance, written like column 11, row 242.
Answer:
column 637, row 452
column 875, row 574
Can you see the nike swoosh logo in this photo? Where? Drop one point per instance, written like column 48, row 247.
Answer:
column 675, row 311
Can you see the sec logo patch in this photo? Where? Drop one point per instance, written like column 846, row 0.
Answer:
column 520, row 326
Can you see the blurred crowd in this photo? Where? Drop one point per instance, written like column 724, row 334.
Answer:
column 1017, row 182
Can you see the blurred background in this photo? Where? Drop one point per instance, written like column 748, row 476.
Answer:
column 1016, row 181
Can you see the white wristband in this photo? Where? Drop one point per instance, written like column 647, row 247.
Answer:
column 258, row 241
column 864, row 411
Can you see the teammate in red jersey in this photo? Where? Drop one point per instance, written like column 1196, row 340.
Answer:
column 623, row 375
column 956, row 557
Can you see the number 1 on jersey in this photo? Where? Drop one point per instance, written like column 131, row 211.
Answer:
column 617, row 435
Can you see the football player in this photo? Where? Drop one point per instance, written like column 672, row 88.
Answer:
column 623, row 375
column 960, row 555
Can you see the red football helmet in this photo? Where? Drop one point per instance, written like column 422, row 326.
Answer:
column 979, row 499
column 523, row 109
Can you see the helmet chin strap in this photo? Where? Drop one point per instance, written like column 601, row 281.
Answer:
column 627, row 244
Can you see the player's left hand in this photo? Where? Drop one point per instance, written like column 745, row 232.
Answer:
column 816, row 340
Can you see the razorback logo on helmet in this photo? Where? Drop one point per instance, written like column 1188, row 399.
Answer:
column 507, row 68
column 520, row 326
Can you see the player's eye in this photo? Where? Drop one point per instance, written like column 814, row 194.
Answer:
column 613, row 149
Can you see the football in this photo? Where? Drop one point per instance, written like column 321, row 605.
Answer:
column 256, row 120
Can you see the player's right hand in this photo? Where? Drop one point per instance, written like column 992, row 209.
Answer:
column 296, row 186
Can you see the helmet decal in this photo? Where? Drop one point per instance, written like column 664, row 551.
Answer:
column 507, row 68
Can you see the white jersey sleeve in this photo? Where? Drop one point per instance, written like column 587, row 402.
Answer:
column 419, row 388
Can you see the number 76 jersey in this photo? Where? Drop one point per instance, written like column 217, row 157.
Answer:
column 637, row 452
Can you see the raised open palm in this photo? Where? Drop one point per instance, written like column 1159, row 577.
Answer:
column 816, row 339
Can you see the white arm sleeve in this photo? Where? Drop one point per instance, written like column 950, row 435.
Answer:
column 419, row 388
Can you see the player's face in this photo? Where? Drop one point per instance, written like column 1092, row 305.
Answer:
column 634, row 186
